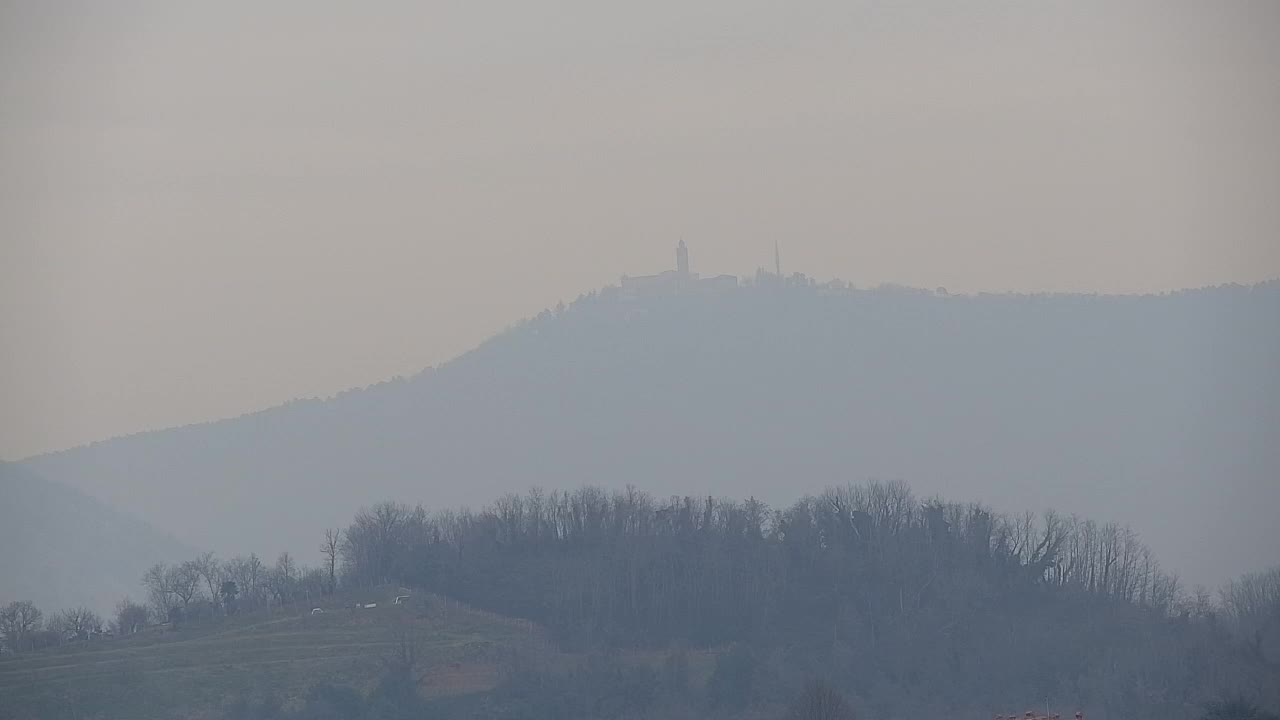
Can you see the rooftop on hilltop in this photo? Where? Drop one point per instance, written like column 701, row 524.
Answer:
column 679, row 280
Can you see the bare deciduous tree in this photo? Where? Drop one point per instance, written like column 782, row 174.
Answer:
column 77, row 623
column 332, row 543
column 249, row 576
column 374, row 538
column 211, row 571
column 283, row 578
column 173, row 586
column 156, row 580
column 184, row 582
column 131, row 617
column 18, row 620
column 1251, row 605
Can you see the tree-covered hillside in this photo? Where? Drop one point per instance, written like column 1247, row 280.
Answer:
column 907, row 605
column 1161, row 411
column 862, row 600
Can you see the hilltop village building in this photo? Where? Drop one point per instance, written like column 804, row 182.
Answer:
column 672, row 282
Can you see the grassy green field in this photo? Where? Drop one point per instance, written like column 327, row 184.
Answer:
column 194, row 670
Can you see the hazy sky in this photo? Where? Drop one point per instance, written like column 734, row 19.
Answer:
column 210, row 208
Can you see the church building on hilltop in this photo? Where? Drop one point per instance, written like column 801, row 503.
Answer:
column 674, row 282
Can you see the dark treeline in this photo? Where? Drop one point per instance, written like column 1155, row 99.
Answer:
column 621, row 567
column 905, row 604
column 862, row 599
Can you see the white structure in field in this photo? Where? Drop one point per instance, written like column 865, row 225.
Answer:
column 672, row 282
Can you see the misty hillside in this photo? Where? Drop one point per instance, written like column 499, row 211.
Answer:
column 1159, row 411
column 62, row 548
column 195, row 672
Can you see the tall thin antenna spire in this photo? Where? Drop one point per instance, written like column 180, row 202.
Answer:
column 777, row 259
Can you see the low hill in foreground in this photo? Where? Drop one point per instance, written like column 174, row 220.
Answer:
column 620, row 605
column 63, row 548
column 1162, row 412
column 291, row 663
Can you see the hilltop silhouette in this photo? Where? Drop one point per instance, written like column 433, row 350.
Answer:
column 1157, row 411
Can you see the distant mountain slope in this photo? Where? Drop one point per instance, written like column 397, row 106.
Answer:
column 62, row 548
column 1161, row 411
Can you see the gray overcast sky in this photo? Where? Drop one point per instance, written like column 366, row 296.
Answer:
column 209, row 208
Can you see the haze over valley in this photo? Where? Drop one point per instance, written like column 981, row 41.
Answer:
column 1160, row 412
column 568, row 360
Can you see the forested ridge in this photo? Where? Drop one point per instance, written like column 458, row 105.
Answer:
column 908, row 604
column 689, row 426
column 1134, row 409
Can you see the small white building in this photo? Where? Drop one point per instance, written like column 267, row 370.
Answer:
column 672, row 282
